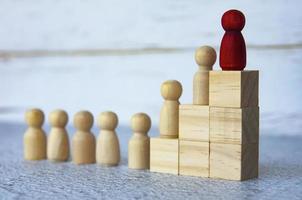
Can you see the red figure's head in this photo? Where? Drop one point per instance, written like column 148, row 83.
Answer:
column 233, row 20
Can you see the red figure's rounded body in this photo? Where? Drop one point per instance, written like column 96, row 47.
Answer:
column 232, row 49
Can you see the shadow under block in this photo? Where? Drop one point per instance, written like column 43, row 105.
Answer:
column 194, row 122
column 234, row 161
column 164, row 155
column 194, row 158
column 233, row 88
column 234, row 125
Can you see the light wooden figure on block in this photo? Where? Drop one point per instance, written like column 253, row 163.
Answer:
column 205, row 57
column 164, row 154
column 194, row 122
column 168, row 124
column 234, row 88
column 234, row 161
column 108, row 148
column 34, row 137
column 83, row 141
column 194, row 158
column 234, row 125
column 58, row 143
column 139, row 144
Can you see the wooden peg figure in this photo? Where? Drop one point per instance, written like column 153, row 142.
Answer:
column 58, row 143
column 34, row 137
column 232, row 48
column 108, row 148
column 139, row 144
column 171, row 91
column 83, row 141
column 205, row 57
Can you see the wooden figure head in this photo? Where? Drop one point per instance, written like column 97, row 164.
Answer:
column 140, row 123
column 83, row 120
column 34, row 117
column 205, row 57
column 58, row 118
column 171, row 90
column 108, row 120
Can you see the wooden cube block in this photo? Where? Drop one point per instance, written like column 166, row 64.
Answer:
column 194, row 158
column 194, row 122
column 234, row 125
column 234, row 161
column 164, row 155
column 233, row 88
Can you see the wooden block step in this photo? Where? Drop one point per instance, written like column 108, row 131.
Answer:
column 194, row 122
column 234, row 161
column 194, row 158
column 233, row 88
column 234, row 125
column 164, row 155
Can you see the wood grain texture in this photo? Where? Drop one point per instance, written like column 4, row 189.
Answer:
column 83, row 148
column 169, row 125
column 194, row 158
column 205, row 58
column 234, row 125
column 34, row 144
column 83, row 141
column 58, row 145
column 164, row 155
column 34, row 140
column 58, row 141
column 171, row 91
column 234, row 88
column 233, row 161
column 139, row 143
column 108, row 146
column 194, row 122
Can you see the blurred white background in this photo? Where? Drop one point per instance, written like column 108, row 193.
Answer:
column 114, row 55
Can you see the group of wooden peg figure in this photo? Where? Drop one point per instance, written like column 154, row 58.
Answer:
column 85, row 149
column 216, row 136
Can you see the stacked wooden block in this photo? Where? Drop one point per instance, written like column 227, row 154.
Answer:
column 218, row 134
column 234, row 124
column 194, row 140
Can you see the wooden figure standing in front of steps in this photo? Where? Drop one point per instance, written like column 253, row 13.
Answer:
column 232, row 48
column 58, row 143
column 34, row 137
column 168, row 125
column 205, row 57
column 108, row 148
column 83, row 141
column 139, row 144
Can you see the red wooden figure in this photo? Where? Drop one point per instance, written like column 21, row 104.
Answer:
column 232, row 49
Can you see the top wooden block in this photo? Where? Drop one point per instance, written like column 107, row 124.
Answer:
column 235, row 89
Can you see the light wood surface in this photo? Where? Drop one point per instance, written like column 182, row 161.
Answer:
column 168, row 124
column 205, row 58
column 194, row 122
column 108, row 147
column 234, row 161
column 234, row 125
column 164, row 153
column 139, row 144
column 58, row 142
column 34, row 137
column 234, row 89
column 83, row 141
column 194, row 158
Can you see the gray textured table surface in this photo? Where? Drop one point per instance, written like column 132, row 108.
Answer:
column 280, row 175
